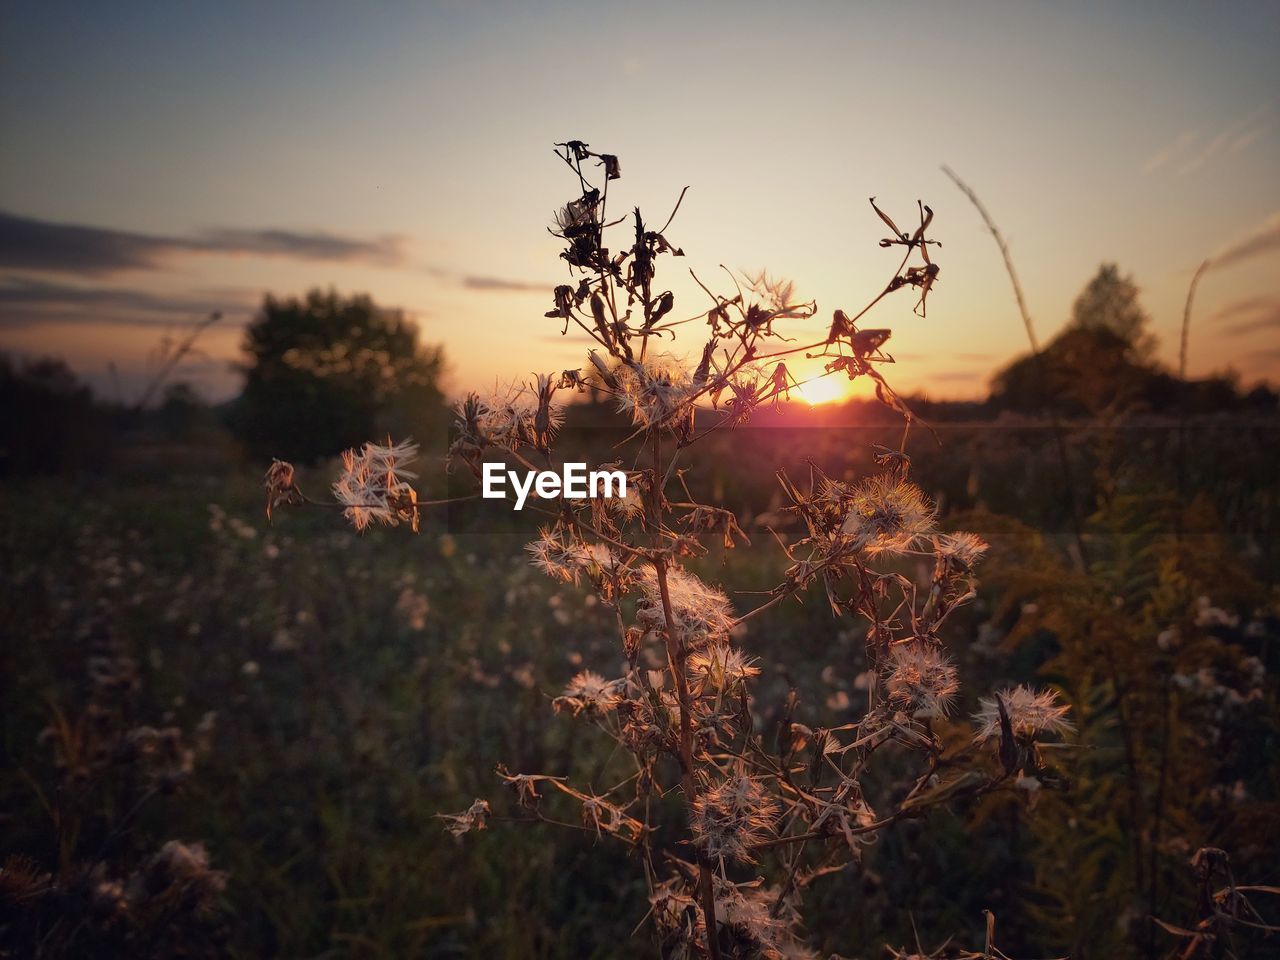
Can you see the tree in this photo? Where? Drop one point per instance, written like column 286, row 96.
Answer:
column 326, row 372
column 1110, row 302
column 1101, row 361
column 51, row 423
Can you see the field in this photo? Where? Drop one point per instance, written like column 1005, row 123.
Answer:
column 302, row 701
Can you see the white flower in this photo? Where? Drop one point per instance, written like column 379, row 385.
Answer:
column 701, row 613
column 1029, row 711
column 722, row 666
column 374, row 487
column 920, row 678
column 566, row 560
column 963, row 549
column 653, row 392
column 732, row 816
column 886, row 515
column 590, row 693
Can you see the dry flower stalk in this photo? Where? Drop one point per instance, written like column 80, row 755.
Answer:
column 689, row 725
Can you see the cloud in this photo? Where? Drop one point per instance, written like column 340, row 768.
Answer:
column 1190, row 150
column 318, row 245
column 1259, row 313
column 1164, row 156
column 1262, row 240
column 25, row 301
column 486, row 283
column 31, row 244
column 504, row 285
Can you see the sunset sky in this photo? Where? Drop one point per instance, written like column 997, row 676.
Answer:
column 160, row 160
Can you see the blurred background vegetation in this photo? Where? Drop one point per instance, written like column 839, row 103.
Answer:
column 292, row 703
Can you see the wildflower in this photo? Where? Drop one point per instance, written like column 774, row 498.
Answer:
column 373, row 485
column 630, row 505
column 413, row 607
column 546, row 418
column 590, row 693
column 920, row 678
column 601, row 815
column 962, row 549
column 722, row 666
column 762, row 920
column 887, row 515
column 654, row 392
column 475, row 817
column 1030, row 712
column 180, row 872
column 732, row 817
column 558, row 558
column 701, row 613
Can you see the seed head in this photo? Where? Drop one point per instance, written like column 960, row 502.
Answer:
column 374, row 487
column 1030, row 712
column 886, row 514
column 920, row 678
column 733, row 816
column 589, row 693
column 701, row 613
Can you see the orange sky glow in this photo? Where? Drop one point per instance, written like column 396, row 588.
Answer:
column 162, row 162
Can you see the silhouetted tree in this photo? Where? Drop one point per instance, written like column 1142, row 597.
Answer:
column 1110, row 302
column 1101, row 361
column 51, row 423
column 327, row 372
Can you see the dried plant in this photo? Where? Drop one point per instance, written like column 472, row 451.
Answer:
column 793, row 807
column 1224, row 912
column 106, row 896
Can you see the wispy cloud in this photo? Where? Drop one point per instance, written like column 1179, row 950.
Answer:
column 1260, row 241
column 25, row 301
column 487, row 283
column 1252, row 314
column 1191, row 150
column 1179, row 146
column 504, row 285
column 31, row 244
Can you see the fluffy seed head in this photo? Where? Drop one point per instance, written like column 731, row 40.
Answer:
column 920, row 678
column 701, row 612
column 1030, row 712
column 732, row 816
column 653, row 392
column 374, row 488
column 962, row 549
column 886, row 514
column 590, row 693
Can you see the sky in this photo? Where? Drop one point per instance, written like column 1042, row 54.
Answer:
column 162, row 160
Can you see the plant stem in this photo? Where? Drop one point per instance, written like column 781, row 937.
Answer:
column 1060, row 442
column 675, row 658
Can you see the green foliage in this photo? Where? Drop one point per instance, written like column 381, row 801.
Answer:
column 1165, row 648
column 348, row 716
column 326, row 372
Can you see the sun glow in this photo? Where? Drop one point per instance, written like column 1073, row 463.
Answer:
column 824, row 390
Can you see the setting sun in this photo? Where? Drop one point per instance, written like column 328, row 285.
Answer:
column 824, row 390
